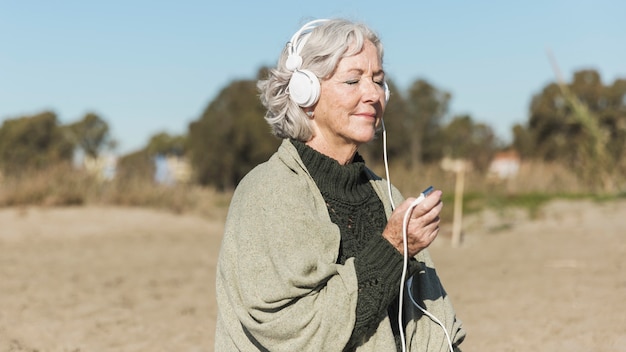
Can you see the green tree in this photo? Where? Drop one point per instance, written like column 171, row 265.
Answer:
column 231, row 136
column 613, row 117
column 91, row 134
column 33, row 142
column 522, row 141
column 582, row 124
column 549, row 126
column 466, row 139
column 426, row 108
column 166, row 144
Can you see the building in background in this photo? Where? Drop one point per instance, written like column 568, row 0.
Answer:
column 505, row 165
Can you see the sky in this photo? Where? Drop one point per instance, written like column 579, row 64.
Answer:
column 147, row 67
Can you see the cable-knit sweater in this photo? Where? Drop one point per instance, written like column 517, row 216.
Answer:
column 283, row 285
column 360, row 215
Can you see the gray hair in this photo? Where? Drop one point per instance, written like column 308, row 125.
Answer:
column 328, row 43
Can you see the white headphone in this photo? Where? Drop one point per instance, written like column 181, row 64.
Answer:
column 304, row 86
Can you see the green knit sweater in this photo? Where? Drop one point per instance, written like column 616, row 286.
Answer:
column 358, row 212
column 280, row 285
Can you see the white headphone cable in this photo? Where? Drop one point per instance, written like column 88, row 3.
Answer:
column 393, row 206
column 431, row 316
column 405, row 222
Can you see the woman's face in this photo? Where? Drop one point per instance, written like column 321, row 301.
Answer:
column 351, row 104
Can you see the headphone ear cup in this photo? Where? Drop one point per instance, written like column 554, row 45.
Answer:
column 304, row 88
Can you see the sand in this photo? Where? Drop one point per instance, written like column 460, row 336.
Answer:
column 131, row 279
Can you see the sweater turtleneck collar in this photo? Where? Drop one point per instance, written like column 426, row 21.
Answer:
column 348, row 182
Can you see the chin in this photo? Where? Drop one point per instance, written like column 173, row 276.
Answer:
column 363, row 135
column 365, row 139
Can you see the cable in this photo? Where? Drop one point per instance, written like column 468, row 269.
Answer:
column 431, row 316
column 393, row 206
column 405, row 223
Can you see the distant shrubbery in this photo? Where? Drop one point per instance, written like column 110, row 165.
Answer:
column 573, row 144
column 63, row 185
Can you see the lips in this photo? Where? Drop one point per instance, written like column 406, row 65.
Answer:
column 371, row 115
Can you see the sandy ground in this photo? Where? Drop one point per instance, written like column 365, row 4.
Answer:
column 127, row 279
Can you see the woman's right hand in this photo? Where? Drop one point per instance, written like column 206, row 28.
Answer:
column 423, row 224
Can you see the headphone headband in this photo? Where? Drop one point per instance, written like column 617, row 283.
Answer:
column 294, row 60
column 304, row 86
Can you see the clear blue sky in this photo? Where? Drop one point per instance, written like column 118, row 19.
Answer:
column 153, row 66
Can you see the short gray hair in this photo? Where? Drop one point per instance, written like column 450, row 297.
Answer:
column 327, row 44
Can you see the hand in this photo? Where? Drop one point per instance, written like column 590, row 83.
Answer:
column 423, row 224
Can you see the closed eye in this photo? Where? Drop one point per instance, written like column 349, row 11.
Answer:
column 353, row 82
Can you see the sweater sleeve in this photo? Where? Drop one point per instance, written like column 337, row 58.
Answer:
column 379, row 270
column 278, row 285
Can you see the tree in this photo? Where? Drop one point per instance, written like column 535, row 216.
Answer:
column 547, row 124
column 90, row 134
column 165, row 144
column 613, row 118
column 426, row 108
column 582, row 124
column 466, row 139
column 33, row 142
column 231, row 136
column 522, row 141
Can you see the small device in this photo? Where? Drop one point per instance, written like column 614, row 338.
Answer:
column 428, row 191
column 422, row 196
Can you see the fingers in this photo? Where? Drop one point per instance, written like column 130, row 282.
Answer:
column 423, row 223
column 428, row 209
column 430, row 202
column 423, row 226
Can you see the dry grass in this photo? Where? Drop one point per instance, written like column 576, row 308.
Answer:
column 59, row 185
column 533, row 177
column 64, row 186
column 535, row 184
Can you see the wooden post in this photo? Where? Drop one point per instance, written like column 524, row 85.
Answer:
column 458, row 203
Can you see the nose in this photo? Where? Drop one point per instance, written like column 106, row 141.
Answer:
column 372, row 91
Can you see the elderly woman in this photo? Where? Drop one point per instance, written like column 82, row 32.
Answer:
column 313, row 249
